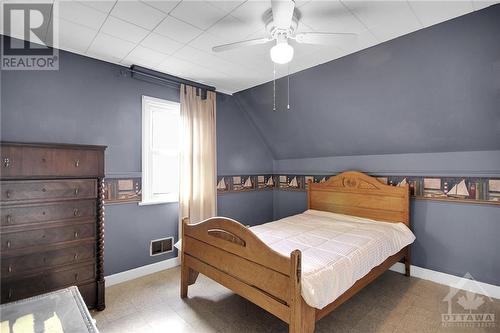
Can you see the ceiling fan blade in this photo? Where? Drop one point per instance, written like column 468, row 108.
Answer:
column 325, row 37
column 250, row 42
column 282, row 13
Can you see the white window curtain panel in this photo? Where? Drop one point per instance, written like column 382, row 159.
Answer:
column 198, row 157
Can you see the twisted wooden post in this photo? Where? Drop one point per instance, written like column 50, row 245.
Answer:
column 100, row 245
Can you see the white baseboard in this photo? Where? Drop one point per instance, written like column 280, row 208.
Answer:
column 141, row 271
column 453, row 281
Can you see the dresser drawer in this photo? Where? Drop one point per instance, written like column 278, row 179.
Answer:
column 39, row 161
column 33, row 190
column 37, row 213
column 72, row 277
column 45, row 236
column 46, row 281
column 15, row 266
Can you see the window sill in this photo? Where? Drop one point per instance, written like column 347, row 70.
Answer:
column 159, row 202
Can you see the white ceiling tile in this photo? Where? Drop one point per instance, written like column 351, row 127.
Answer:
column 161, row 43
column 164, row 5
column 177, row 30
column 251, row 12
column 206, row 41
column 232, row 29
column 479, row 4
column 200, row 58
column 124, row 30
column 74, row 37
column 104, row 6
column 201, row 14
column 109, row 47
column 329, row 16
column 77, row 13
column 227, row 6
column 138, row 13
column 433, row 12
column 361, row 41
column 256, row 57
column 178, row 67
column 144, row 57
column 385, row 19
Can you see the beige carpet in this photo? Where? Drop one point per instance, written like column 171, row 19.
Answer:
column 393, row 303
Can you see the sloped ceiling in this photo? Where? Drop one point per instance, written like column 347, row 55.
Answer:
column 435, row 90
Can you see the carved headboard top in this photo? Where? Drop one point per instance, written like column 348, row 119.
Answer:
column 355, row 193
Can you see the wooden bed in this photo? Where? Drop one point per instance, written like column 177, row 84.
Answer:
column 227, row 252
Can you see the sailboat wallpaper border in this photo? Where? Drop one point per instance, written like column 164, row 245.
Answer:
column 462, row 189
column 122, row 190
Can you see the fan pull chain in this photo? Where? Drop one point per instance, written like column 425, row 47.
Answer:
column 274, row 87
column 288, row 88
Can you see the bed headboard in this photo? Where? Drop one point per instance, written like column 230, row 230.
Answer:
column 355, row 193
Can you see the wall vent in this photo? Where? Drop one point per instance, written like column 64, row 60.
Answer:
column 161, row 246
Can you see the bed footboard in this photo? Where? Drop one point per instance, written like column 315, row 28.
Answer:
column 227, row 252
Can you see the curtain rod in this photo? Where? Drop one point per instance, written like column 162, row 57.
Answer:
column 142, row 71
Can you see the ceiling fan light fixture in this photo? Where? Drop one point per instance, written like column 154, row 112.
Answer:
column 282, row 52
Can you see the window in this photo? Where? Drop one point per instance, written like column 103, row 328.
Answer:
column 160, row 150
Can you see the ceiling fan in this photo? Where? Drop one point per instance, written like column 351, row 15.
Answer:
column 281, row 22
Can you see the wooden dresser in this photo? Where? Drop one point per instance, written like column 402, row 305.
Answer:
column 52, row 220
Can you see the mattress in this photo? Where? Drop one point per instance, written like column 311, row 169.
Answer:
column 337, row 250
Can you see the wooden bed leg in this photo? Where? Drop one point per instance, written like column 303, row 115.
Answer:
column 302, row 316
column 184, row 280
column 188, row 275
column 407, row 261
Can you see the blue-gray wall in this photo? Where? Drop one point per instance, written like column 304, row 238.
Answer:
column 242, row 151
column 92, row 102
column 434, row 90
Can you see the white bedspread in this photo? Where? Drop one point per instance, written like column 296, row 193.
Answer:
column 337, row 250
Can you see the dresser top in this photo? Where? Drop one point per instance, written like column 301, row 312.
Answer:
column 53, row 145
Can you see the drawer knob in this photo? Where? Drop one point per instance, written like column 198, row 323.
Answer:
column 8, row 193
column 77, row 163
column 9, row 219
column 77, row 190
column 76, row 276
column 8, row 244
column 10, row 269
column 6, row 162
column 76, row 212
column 44, row 189
column 76, row 234
column 10, row 293
column 75, row 256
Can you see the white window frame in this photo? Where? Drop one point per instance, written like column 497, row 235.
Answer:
column 148, row 198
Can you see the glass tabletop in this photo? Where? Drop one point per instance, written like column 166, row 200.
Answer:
column 61, row 311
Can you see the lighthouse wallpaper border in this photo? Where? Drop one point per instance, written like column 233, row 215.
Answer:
column 463, row 189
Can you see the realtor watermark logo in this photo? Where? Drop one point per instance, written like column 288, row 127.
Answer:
column 468, row 309
column 34, row 32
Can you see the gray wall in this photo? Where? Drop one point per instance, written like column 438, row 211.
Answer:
column 90, row 102
column 434, row 90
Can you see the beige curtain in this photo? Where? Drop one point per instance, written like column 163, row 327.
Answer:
column 198, row 166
